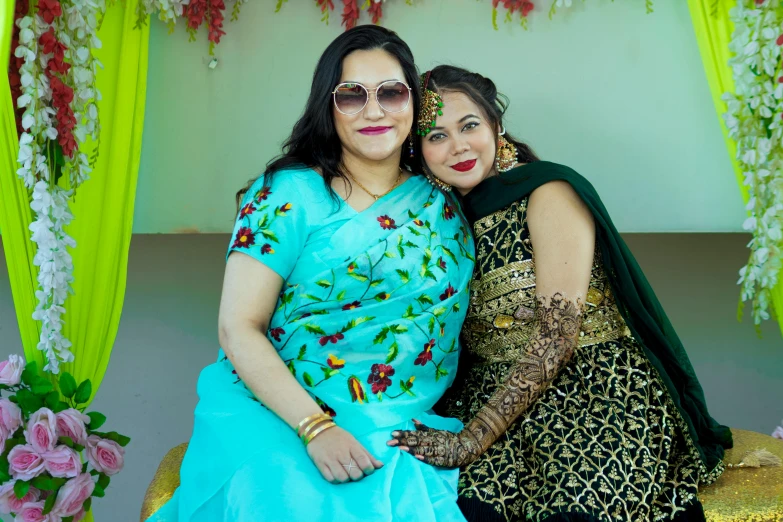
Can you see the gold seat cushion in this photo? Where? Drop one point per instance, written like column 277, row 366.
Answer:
column 740, row 495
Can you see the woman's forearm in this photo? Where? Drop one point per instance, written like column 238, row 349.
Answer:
column 266, row 375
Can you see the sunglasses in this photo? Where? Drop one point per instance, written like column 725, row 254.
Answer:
column 352, row 98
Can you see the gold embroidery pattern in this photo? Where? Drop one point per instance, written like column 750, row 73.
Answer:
column 604, row 439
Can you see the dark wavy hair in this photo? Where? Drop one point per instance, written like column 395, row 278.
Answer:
column 484, row 93
column 314, row 142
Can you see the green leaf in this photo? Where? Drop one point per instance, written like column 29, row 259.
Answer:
column 406, row 389
column 431, row 324
column 381, row 335
column 98, row 492
column 439, row 311
column 68, row 519
column 376, row 282
column 440, row 372
column 312, row 297
column 41, row 385
column 390, row 254
column 52, row 400
column 401, row 251
column 380, row 397
column 61, row 406
column 393, row 352
column 270, row 235
column 29, row 373
column 302, row 352
column 398, row 329
column 49, row 504
column 104, row 480
column 84, row 392
column 84, row 467
column 68, row 441
column 307, row 379
column 4, row 476
column 324, row 283
column 341, row 295
column 359, row 277
column 428, row 273
column 292, row 368
column 409, row 313
column 87, row 504
column 123, row 440
column 450, row 254
column 67, row 385
column 21, row 488
column 414, row 231
column 329, row 372
column 262, row 222
column 28, row 402
column 424, row 299
column 404, row 275
column 96, row 419
column 314, row 329
column 44, row 483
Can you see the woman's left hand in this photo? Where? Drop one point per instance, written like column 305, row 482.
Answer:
column 439, row 448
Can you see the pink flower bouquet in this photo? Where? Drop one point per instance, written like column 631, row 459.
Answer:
column 53, row 461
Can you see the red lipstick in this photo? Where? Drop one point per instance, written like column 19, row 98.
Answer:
column 374, row 131
column 464, row 166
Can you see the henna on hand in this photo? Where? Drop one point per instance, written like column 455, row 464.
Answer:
column 555, row 336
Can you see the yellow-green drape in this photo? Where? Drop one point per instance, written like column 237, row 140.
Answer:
column 103, row 208
column 713, row 29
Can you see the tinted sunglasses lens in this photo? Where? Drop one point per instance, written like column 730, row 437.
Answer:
column 350, row 98
column 393, row 96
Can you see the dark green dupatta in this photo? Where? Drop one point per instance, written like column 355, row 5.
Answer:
column 635, row 298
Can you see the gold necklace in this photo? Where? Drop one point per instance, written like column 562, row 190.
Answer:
column 376, row 196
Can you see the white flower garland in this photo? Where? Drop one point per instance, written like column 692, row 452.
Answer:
column 754, row 122
column 76, row 29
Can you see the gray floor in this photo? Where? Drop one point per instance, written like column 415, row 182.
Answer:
column 168, row 333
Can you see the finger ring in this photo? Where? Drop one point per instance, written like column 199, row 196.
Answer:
column 348, row 467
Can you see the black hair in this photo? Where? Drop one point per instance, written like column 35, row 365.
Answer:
column 314, row 142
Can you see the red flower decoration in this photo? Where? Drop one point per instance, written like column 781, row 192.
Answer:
column 375, row 11
column 350, row 13
column 276, row 333
column 425, row 356
column 450, row 291
column 267, row 249
column 245, row 238
column 262, row 194
column 448, row 211
column 323, row 341
column 386, row 222
column 418, row 222
column 247, row 210
column 49, row 10
column 379, row 377
column 351, row 306
column 285, row 208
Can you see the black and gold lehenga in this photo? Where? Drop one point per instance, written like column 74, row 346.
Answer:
column 622, row 433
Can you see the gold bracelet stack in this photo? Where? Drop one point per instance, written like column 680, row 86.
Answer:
column 312, row 426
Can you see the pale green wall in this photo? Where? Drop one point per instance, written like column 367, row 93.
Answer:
column 615, row 93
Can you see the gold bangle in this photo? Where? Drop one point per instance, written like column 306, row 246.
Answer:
column 310, row 427
column 310, row 418
column 319, row 431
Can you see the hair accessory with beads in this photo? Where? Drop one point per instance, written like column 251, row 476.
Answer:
column 431, row 105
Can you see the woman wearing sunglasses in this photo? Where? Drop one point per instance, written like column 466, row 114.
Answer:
column 344, row 292
column 578, row 398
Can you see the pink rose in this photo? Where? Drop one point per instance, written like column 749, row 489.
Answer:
column 70, row 423
column 24, row 462
column 41, row 431
column 8, row 501
column 10, row 416
column 11, row 370
column 105, row 455
column 778, row 433
column 33, row 512
column 78, row 517
column 72, row 496
column 62, row 461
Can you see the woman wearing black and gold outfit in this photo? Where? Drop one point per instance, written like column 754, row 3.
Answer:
column 579, row 401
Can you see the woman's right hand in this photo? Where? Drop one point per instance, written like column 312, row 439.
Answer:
column 340, row 458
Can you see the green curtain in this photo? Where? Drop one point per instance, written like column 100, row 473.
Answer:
column 713, row 29
column 103, row 208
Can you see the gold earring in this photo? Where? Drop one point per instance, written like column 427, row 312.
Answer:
column 435, row 182
column 506, row 156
